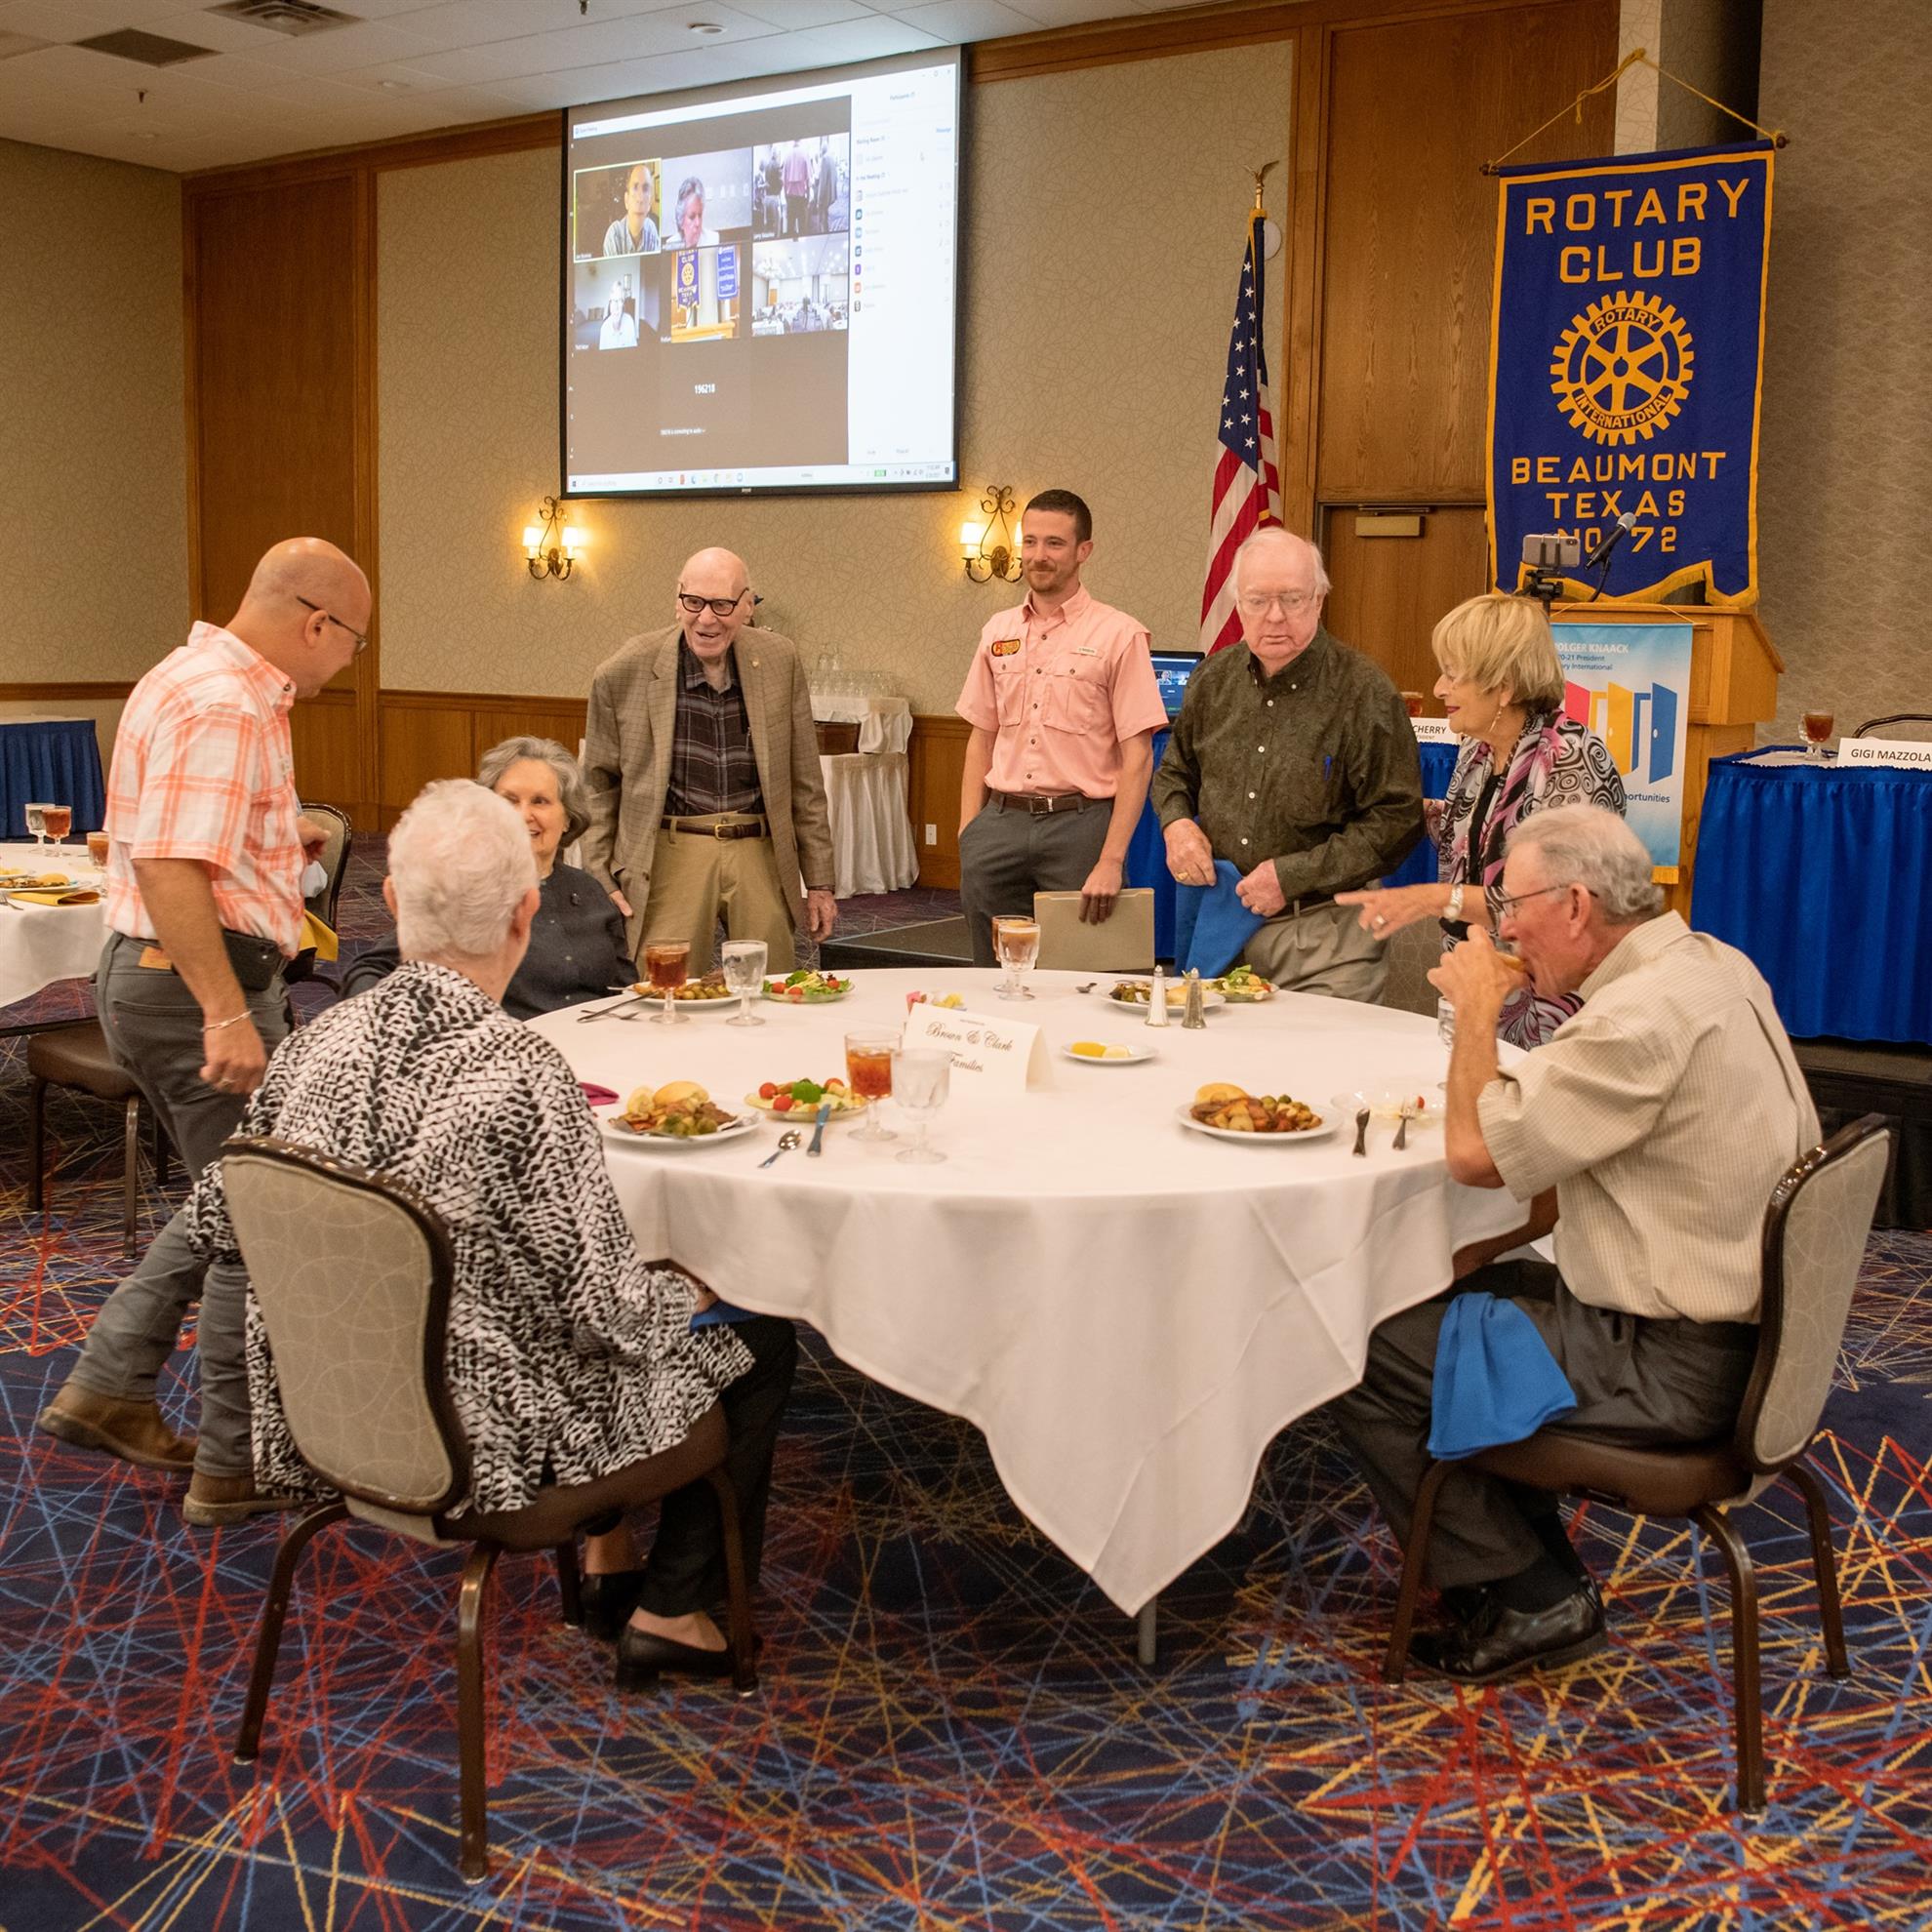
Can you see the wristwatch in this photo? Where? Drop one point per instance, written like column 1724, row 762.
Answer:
column 1454, row 909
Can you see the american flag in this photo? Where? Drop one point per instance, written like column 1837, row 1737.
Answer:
column 1247, row 483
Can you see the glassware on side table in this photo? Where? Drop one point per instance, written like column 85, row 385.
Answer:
column 921, row 1077
column 1817, row 726
column 668, row 963
column 868, row 1057
column 744, row 962
column 1017, row 946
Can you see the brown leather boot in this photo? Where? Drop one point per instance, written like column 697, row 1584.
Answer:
column 120, row 1426
column 213, row 1500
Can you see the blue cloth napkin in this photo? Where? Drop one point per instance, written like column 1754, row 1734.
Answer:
column 721, row 1312
column 1211, row 925
column 1496, row 1380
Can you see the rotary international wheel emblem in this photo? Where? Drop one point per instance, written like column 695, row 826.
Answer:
column 1622, row 368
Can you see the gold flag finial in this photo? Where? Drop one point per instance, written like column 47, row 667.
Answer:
column 1261, row 175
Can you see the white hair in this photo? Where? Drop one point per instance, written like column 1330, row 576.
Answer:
column 1584, row 845
column 460, row 861
column 1271, row 536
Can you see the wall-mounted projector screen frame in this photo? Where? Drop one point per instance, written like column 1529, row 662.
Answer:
column 760, row 286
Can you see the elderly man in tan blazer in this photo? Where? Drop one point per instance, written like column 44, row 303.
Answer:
column 702, row 767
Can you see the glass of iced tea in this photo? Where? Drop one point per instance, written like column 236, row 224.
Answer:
column 59, row 820
column 668, row 962
column 1016, row 944
column 96, row 849
column 1412, row 702
column 1817, row 730
column 868, row 1074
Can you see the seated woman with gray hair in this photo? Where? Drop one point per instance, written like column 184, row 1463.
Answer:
column 570, row 1357
column 576, row 950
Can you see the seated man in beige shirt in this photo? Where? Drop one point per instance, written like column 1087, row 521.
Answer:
column 1650, row 1130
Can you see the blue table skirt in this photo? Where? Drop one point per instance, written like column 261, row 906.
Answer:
column 56, row 763
column 1823, row 876
column 1146, row 856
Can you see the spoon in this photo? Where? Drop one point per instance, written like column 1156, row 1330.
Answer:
column 789, row 1140
column 1088, row 988
column 1361, row 1133
column 1404, row 1114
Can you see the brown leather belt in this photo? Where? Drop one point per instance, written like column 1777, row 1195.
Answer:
column 714, row 828
column 1041, row 802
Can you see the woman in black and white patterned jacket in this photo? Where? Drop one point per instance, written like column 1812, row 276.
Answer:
column 570, row 1357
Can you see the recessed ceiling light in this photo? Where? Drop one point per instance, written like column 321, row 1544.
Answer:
column 705, row 26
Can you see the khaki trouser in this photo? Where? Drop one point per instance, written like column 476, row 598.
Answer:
column 1321, row 950
column 694, row 875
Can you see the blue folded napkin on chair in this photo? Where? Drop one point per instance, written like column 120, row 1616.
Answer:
column 721, row 1312
column 1211, row 925
column 1496, row 1380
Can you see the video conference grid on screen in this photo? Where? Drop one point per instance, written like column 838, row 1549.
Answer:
column 760, row 285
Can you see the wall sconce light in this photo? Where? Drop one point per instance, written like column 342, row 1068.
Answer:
column 989, row 547
column 553, row 545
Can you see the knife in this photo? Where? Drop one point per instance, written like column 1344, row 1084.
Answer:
column 818, row 1132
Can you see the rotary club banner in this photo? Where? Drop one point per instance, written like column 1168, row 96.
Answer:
column 1624, row 356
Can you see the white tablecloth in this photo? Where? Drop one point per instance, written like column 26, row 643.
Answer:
column 885, row 724
column 42, row 943
column 1128, row 1310
column 871, row 834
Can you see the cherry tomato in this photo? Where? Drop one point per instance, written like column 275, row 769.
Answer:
column 781, row 1104
column 768, row 1090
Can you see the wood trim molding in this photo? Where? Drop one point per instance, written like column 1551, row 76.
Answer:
column 108, row 693
column 479, row 701
column 470, row 142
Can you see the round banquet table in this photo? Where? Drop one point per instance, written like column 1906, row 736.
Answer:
column 1128, row 1310
column 42, row 943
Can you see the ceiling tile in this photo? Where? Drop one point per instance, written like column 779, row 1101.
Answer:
column 966, row 20
column 791, row 14
column 1071, row 13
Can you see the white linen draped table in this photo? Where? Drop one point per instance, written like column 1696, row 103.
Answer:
column 42, row 943
column 1128, row 1310
column 870, row 825
column 885, row 724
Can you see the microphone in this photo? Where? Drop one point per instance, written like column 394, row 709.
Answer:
column 1617, row 532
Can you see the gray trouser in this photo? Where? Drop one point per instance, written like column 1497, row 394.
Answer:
column 1640, row 1382
column 1321, row 949
column 153, row 1029
column 1007, row 854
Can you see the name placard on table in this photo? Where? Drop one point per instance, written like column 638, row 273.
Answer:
column 1912, row 754
column 1434, row 731
column 989, row 1056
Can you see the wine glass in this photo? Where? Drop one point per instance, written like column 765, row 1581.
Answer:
column 868, row 1057
column 745, row 963
column 920, row 1079
column 668, row 962
column 36, row 823
column 59, row 820
column 1817, row 729
column 1016, row 942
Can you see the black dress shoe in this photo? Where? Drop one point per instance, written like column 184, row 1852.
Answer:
column 1499, row 1642
column 607, row 1602
column 642, row 1657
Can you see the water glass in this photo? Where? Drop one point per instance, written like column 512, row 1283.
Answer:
column 921, row 1077
column 668, row 962
column 744, row 962
column 36, row 823
column 868, row 1057
column 1017, row 946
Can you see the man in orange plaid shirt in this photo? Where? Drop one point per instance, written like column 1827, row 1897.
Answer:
column 205, row 851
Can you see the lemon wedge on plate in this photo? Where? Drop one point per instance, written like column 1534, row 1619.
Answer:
column 1088, row 1049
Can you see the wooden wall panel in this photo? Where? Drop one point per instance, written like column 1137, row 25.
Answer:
column 1408, row 229
column 936, row 767
column 1390, row 591
column 328, row 762
column 499, row 718
column 421, row 741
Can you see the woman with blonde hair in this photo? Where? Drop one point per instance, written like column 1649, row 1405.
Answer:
column 1502, row 687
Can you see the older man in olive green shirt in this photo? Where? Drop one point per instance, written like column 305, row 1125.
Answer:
column 1293, row 759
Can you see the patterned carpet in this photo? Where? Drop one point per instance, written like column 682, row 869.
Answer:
column 951, row 1730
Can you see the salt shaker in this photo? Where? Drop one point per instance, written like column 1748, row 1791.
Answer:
column 1158, row 1000
column 1195, row 1011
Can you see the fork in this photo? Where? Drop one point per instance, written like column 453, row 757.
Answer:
column 1404, row 1114
column 789, row 1140
column 597, row 1013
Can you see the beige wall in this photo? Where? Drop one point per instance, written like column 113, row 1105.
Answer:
column 1103, row 232
column 92, row 447
column 1845, row 468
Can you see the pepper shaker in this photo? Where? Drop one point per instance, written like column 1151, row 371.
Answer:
column 1195, row 1011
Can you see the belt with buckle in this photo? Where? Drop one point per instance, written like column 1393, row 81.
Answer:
column 1041, row 802
column 712, row 828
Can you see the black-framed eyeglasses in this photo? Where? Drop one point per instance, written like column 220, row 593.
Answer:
column 717, row 606
column 1507, row 905
column 361, row 636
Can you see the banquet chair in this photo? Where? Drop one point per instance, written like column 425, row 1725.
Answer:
column 1123, row 943
column 1924, row 719
column 353, row 1274
column 1815, row 1228
column 76, row 1055
column 325, row 905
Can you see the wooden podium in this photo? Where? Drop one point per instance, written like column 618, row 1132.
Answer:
column 1733, row 689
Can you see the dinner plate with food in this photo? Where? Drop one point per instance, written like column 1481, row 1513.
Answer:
column 1229, row 1112
column 709, row 994
column 1242, row 986
column 808, row 988
column 800, row 1099
column 678, row 1115
column 1106, row 1053
column 1140, row 992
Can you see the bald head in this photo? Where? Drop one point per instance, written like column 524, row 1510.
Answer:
column 716, row 577
column 305, row 606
